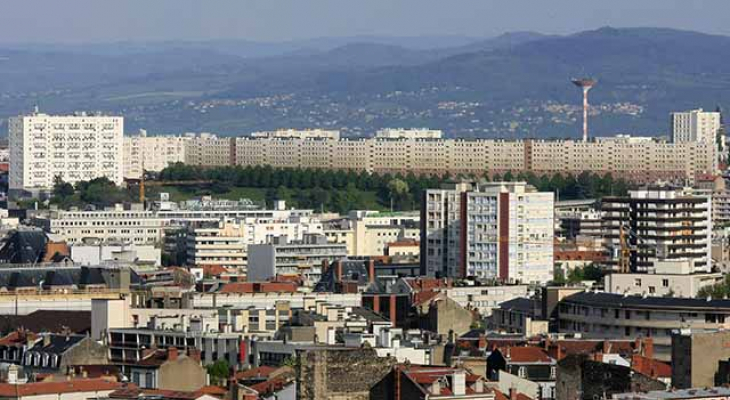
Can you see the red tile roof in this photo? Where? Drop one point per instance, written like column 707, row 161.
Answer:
column 259, row 287
column 501, row 396
column 526, row 354
column 263, row 372
column 72, row 386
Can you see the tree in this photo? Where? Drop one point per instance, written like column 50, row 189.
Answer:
column 398, row 189
column 219, row 372
column 62, row 189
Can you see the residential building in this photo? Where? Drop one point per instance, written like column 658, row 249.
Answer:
column 520, row 315
column 69, row 147
column 502, row 231
column 129, row 346
column 614, row 316
column 134, row 224
column 659, row 224
column 167, row 369
column 152, row 153
column 400, row 151
column 526, row 362
column 206, row 149
column 55, row 352
column 369, row 233
column 670, row 283
column 413, row 382
column 226, row 242
column 695, row 126
column 292, row 258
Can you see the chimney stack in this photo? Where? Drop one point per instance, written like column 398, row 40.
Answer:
column 512, row 393
column 172, row 354
column 459, row 383
column 371, row 271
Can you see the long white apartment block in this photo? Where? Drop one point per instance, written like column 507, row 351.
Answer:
column 72, row 147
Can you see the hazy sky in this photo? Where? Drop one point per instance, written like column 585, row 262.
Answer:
column 277, row 20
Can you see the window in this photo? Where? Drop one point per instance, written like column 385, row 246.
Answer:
column 665, row 282
column 652, row 289
column 637, row 282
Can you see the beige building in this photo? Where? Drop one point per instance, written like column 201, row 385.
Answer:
column 368, row 233
column 668, row 280
column 641, row 159
column 209, row 150
column 152, row 153
column 696, row 357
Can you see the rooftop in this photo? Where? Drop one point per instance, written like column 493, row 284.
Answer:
column 620, row 301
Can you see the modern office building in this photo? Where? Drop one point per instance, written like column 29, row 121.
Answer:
column 70, row 147
column 152, row 153
column 695, row 126
column 500, row 230
column 659, row 224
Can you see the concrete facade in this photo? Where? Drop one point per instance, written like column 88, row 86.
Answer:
column 72, row 147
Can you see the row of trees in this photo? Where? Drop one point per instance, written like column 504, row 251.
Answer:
column 337, row 190
column 100, row 192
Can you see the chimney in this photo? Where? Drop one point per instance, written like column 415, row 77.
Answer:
column 458, row 382
column 606, row 347
column 371, row 271
column 172, row 354
column 338, row 271
column 194, row 353
column 482, row 342
column 648, row 348
column 512, row 393
column 46, row 340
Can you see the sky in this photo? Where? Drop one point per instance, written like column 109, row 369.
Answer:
column 94, row 21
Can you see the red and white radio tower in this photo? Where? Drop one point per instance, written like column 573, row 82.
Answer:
column 586, row 84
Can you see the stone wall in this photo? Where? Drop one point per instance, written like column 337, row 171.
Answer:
column 334, row 374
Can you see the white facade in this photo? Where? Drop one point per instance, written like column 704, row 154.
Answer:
column 226, row 243
column 695, row 126
column 299, row 134
column 152, row 153
column 98, row 254
column 74, row 148
column 138, row 226
column 505, row 233
column 415, row 133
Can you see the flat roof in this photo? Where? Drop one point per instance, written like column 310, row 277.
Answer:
column 602, row 299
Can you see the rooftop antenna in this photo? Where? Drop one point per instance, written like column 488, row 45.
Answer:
column 586, row 84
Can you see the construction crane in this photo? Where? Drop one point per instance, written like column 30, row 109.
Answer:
column 626, row 248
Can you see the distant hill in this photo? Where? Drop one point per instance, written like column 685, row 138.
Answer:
column 513, row 85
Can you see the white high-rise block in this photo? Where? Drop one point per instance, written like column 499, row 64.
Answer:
column 74, row 147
